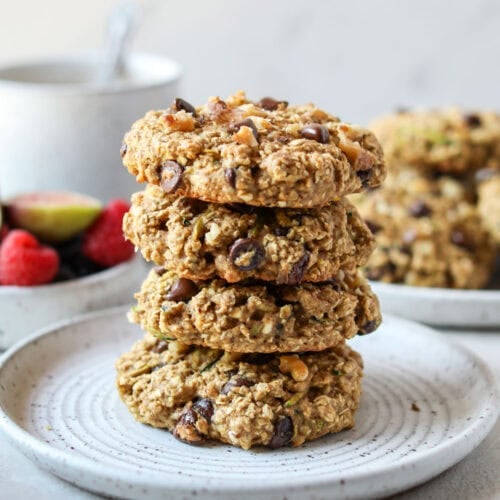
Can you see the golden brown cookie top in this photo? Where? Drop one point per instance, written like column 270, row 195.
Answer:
column 264, row 153
column 445, row 140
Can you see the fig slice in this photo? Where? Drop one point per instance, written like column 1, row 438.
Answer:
column 53, row 216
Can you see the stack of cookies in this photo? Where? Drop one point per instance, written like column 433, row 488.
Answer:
column 436, row 217
column 256, row 287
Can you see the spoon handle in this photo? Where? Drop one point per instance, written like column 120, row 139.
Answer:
column 119, row 30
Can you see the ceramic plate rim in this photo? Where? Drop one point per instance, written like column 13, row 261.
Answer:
column 477, row 308
column 477, row 430
column 439, row 293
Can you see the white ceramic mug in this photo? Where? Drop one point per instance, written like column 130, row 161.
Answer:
column 61, row 130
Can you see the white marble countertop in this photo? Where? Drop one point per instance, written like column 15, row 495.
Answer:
column 476, row 477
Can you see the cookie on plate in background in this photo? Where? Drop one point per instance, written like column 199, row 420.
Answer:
column 427, row 233
column 447, row 140
column 488, row 189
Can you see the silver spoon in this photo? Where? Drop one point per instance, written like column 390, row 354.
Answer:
column 120, row 25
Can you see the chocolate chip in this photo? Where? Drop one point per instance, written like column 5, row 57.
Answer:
column 297, row 272
column 368, row 327
column 189, row 417
column 364, row 176
column 281, row 231
column 185, row 428
column 316, row 132
column 373, row 226
column 123, row 150
column 181, row 104
column 419, row 209
column 243, row 246
column 472, row 120
column 205, row 408
column 235, row 382
column 161, row 346
column 182, row 289
column 247, row 122
column 170, row 176
column 159, row 270
column 270, row 104
column 230, row 176
column 283, row 433
column 241, row 208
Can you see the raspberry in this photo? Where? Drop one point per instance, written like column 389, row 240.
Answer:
column 24, row 262
column 103, row 242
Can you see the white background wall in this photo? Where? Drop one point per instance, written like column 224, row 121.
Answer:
column 357, row 58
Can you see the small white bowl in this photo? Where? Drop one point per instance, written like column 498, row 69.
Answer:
column 23, row 310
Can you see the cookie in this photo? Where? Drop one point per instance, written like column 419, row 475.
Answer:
column 262, row 154
column 427, row 233
column 489, row 201
column 244, row 400
column 256, row 316
column 236, row 242
column 446, row 140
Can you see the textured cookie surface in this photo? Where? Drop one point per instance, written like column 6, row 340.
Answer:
column 263, row 154
column 203, row 240
column 489, row 203
column 427, row 233
column 256, row 317
column 244, row 400
column 446, row 140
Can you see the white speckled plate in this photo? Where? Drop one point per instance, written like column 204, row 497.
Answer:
column 440, row 306
column 426, row 404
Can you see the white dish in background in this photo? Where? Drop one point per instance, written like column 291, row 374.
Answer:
column 440, row 306
column 426, row 403
column 62, row 129
column 26, row 309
